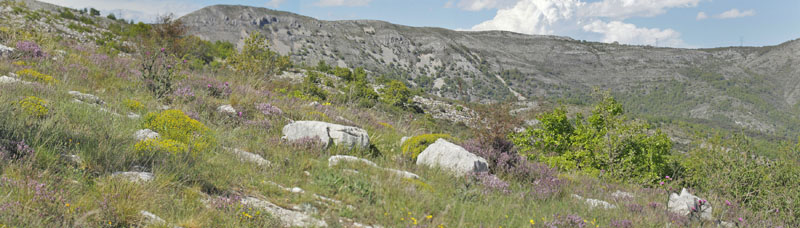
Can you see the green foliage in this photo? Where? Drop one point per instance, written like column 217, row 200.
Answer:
column 413, row 146
column 730, row 168
column 256, row 59
column 111, row 16
column 310, row 87
column 94, row 12
column 34, row 107
column 67, row 14
column 322, row 66
column 158, row 70
column 343, row 73
column 605, row 142
column 396, row 93
column 177, row 126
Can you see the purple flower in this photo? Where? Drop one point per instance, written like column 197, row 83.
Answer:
column 209, row 85
column 668, row 178
column 727, row 202
column 268, row 109
column 240, row 114
column 184, row 61
column 741, row 219
column 163, row 49
column 30, row 49
column 661, row 183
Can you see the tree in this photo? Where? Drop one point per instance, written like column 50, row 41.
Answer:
column 395, row 93
column 94, row 12
column 256, row 59
column 111, row 16
column 607, row 142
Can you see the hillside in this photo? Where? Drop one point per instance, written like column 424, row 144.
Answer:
column 106, row 123
column 754, row 88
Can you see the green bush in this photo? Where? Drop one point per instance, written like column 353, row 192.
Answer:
column 606, row 142
column 177, row 126
column 256, row 59
column 415, row 145
column 732, row 169
column 396, row 93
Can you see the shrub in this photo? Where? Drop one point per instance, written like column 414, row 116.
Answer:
column 606, row 141
column 256, row 59
column 30, row 49
column 33, row 106
column 34, row 75
column 395, row 93
column 151, row 147
column 175, row 125
column 133, row 105
column 158, row 71
column 415, row 145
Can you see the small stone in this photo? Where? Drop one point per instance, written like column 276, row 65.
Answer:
column 135, row 176
column 151, row 218
column 6, row 51
column 88, row 98
column 297, row 190
column 621, row 194
column 74, row 159
column 288, row 217
column 595, row 202
column 683, row 203
column 145, row 134
column 227, row 109
column 133, row 115
column 251, row 157
column 7, row 80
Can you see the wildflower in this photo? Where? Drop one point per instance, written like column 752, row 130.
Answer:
column 209, row 85
column 184, row 61
column 668, row 178
column 240, row 114
column 441, row 226
column 429, row 217
column 727, row 202
column 163, row 49
column 415, row 220
column 662, row 183
column 532, row 222
column 741, row 219
column 66, row 205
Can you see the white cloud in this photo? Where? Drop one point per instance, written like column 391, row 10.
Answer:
column 621, row 9
column 701, row 16
column 326, row 3
column 735, row 13
column 138, row 10
column 274, row 3
column 602, row 20
column 475, row 5
column 617, row 31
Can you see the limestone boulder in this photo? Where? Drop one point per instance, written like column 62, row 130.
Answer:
column 685, row 204
column 452, row 157
column 327, row 133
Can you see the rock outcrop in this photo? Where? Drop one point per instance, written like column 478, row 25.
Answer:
column 452, row 157
column 145, row 134
column 288, row 217
column 85, row 97
column 327, row 133
column 685, row 204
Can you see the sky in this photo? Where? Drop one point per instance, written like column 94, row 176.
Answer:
column 667, row 23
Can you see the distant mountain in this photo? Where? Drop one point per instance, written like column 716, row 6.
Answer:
column 757, row 88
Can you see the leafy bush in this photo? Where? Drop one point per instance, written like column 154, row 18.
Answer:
column 34, row 75
column 310, row 87
column 415, row 145
column 606, row 142
column 732, row 169
column 395, row 93
column 177, row 126
column 150, row 147
column 33, row 106
column 133, row 105
column 256, row 59
column 158, row 71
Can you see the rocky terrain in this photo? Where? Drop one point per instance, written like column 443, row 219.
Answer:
column 754, row 88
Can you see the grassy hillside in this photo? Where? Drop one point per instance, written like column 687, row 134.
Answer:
column 61, row 151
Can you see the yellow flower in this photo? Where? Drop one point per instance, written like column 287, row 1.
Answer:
column 67, row 205
column 506, row 216
column 429, row 217
column 532, row 222
column 246, row 215
column 441, row 226
column 415, row 220
column 402, row 219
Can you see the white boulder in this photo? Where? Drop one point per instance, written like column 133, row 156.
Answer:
column 135, row 176
column 327, row 133
column 288, row 217
column 85, row 97
column 145, row 134
column 452, row 157
column 5, row 50
column 684, row 203
column 251, row 157
column 227, row 109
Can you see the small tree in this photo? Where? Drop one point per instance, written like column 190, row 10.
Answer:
column 395, row 93
column 256, row 59
column 94, row 12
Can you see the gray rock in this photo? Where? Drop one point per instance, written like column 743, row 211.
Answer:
column 74, row 159
column 8, row 80
column 683, row 203
column 133, row 115
column 336, row 159
column 88, row 98
column 327, row 133
column 6, row 51
column 621, row 194
column 152, row 219
column 595, row 202
column 227, row 109
column 288, row 217
column 135, row 176
column 251, row 157
column 145, row 134
column 452, row 157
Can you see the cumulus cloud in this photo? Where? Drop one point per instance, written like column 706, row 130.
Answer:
column 326, row 3
column 274, row 3
column 701, row 16
column 617, row 31
column 137, row 10
column 475, row 5
column 603, row 20
column 735, row 13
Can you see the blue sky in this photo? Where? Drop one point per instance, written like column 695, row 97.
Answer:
column 674, row 23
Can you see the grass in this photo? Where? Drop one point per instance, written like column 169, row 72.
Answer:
column 46, row 190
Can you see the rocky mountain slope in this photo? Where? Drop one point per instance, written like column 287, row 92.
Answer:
column 756, row 88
